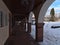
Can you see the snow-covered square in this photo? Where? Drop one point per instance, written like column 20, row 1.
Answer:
column 51, row 36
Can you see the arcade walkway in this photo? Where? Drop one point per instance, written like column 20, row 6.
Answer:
column 20, row 37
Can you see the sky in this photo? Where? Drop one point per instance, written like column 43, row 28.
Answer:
column 56, row 6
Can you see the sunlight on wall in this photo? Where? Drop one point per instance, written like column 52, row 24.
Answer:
column 4, row 31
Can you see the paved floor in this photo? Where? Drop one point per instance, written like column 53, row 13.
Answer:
column 20, row 37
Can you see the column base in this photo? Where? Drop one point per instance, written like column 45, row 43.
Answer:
column 39, row 33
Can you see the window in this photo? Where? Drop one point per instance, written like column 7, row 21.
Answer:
column 6, row 19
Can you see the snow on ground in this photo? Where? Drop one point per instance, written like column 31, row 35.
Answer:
column 51, row 36
column 33, row 31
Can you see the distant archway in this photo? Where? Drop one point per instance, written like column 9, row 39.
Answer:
column 33, row 26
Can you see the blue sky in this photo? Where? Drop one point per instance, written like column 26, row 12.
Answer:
column 55, row 5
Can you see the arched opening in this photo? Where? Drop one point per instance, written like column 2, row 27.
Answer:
column 41, row 14
column 51, row 29
column 33, row 26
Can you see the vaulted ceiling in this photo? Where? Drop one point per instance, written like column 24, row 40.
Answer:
column 22, row 7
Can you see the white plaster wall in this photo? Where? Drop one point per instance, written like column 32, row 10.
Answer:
column 4, row 31
column 30, row 17
column 44, row 10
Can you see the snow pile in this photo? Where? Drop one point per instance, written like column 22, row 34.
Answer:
column 51, row 35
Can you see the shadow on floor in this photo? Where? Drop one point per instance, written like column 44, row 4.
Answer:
column 20, row 37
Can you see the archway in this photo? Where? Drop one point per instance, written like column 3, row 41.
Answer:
column 45, row 6
column 50, row 25
column 32, row 24
column 41, row 21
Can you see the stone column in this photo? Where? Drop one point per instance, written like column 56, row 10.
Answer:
column 39, row 32
column 29, row 28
